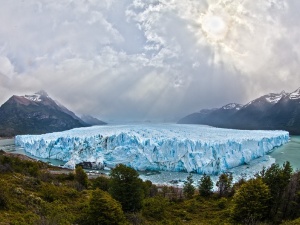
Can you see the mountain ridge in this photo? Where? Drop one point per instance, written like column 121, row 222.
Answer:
column 273, row 111
column 36, row 114
column 92, row 120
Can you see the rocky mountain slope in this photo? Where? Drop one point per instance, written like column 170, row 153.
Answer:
column 272, row 111
column 91, row 120
column 35, row 114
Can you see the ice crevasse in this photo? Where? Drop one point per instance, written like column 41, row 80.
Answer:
column 168, row 147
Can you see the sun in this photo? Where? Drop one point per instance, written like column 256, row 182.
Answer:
column 222, row 22
column 215, row 25
column 223, row 26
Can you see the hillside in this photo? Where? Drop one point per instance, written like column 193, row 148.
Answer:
column 35, row 114
column 33, row 192
column 269, row 112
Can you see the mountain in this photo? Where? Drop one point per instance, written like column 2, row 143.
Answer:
column 91, row 120
column 269, row 112
column 197, row 117
column 35, row 114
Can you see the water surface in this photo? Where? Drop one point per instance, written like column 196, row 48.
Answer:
column 288, row 152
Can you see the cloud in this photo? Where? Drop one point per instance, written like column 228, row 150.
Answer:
column 141, row 60
column 6, row 67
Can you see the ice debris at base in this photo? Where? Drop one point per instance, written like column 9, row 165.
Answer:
column 177, row 179
column 164, row 147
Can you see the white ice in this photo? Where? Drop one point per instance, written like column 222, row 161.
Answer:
column 165, row 147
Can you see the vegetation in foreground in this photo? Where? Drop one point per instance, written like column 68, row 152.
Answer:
column 31, row 194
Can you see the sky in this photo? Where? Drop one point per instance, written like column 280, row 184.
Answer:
column 154, row 60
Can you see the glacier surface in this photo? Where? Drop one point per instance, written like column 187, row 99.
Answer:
column 165, row 147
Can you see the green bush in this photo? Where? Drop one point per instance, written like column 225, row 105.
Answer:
column 81, row 177
column 222, row 203
column 50, row 193
column 101, row 182
column 154, row 208
column 14, row 164
column 292, row 222
column 4, row 197
column 251, row 202
column 104, row 210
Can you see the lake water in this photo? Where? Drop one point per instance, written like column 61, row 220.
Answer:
column 289, row 152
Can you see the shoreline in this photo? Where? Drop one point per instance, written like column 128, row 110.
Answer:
column 4, row 138
column 17, row 155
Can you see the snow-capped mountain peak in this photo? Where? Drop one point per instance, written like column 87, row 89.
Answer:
column 295, row 95
column 37, row 97
column 34, row 98
column 37, row 113
column 232, row 106
column 271, row 98
column 283, row 92
column 274, row 98
column 273, row 111
column 249, row 103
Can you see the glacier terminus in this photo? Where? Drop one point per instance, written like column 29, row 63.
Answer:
column 163, row 147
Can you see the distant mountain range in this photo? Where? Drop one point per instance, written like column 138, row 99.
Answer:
column 91, row 120
column 269, row 112
column 37, row 114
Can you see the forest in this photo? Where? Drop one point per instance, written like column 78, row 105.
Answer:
column 31, row 193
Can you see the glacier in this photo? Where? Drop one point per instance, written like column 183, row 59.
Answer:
column 163, row 147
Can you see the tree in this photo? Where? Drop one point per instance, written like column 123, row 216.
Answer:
column 104, row 210
column 251, row 202
column 101, row 182
column 224, row 184
column 188, row 188
column 147, row 185
column 277, row 178
column 290, row 204
column 81, row 177
column 237, row 185
column 165, row 190
column 127, row 188
column 205, row 186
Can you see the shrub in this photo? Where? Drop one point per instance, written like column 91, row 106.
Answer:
column 101, row 182
column 251, row 202
column 81, row 177
column 4, row 198
column 103, row 209
column 154, row 208
column 222, row 203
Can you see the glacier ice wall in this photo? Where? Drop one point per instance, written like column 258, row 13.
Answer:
column 169, row 147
